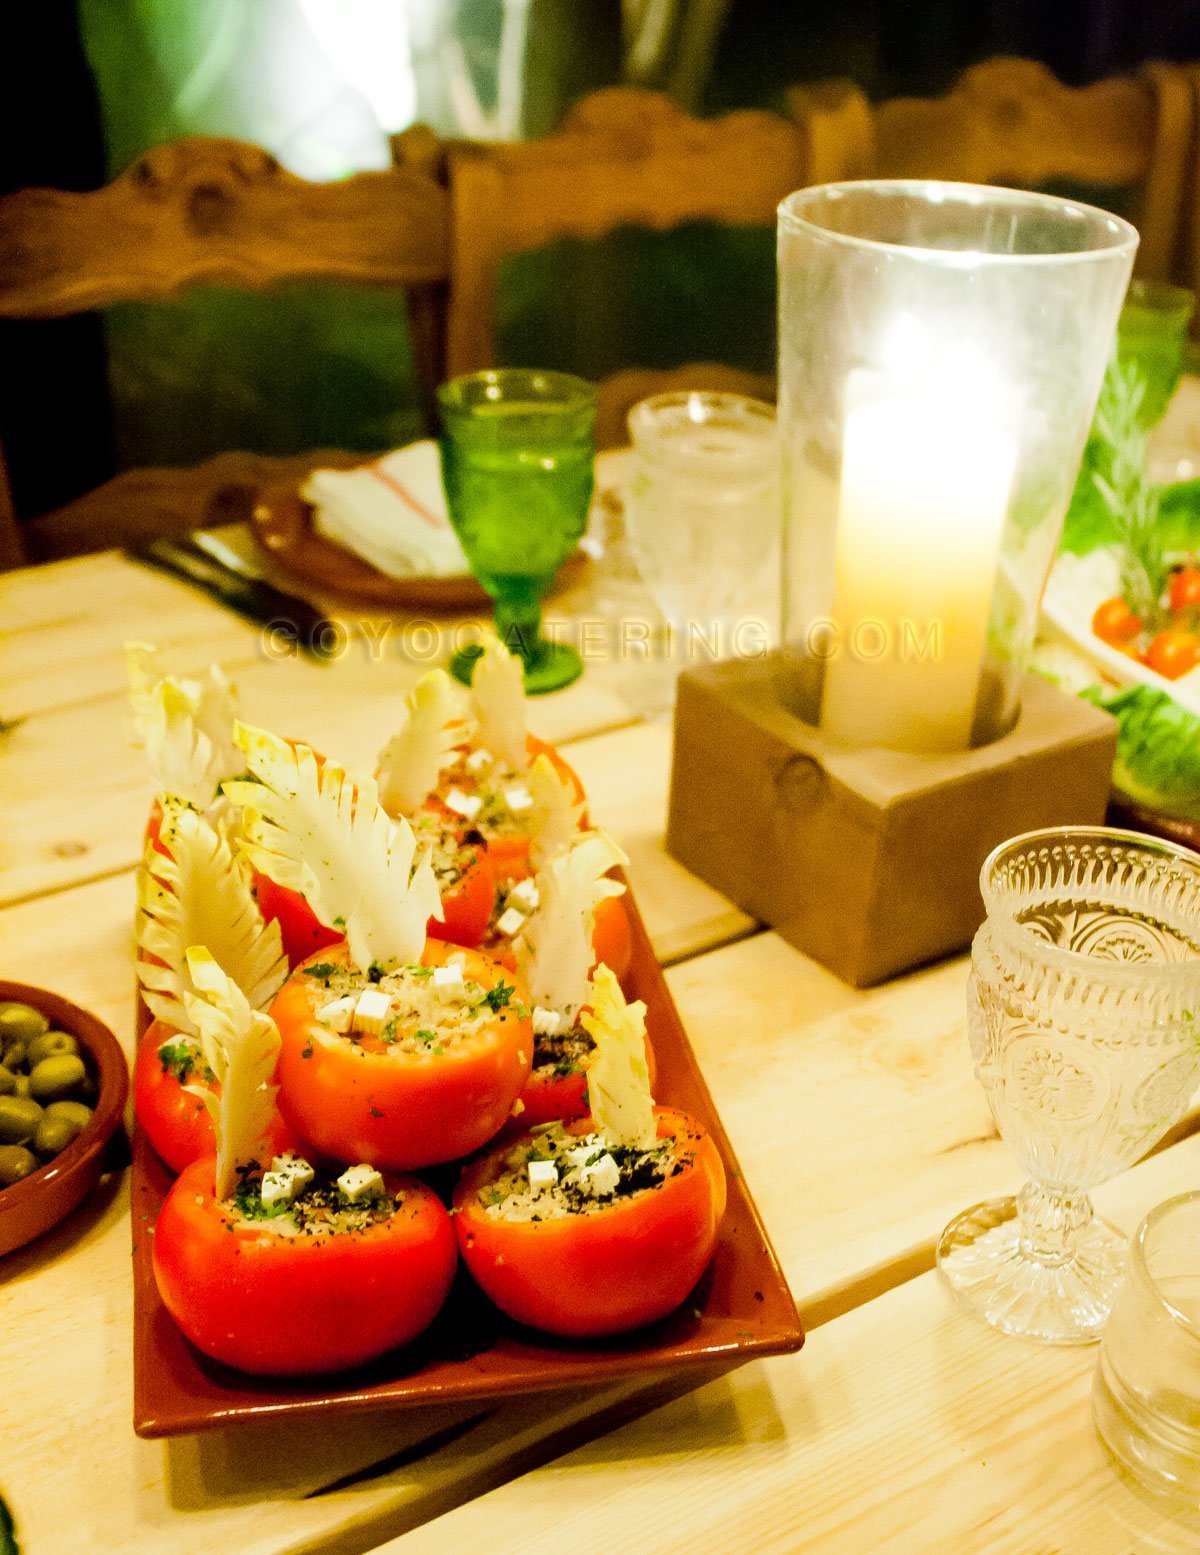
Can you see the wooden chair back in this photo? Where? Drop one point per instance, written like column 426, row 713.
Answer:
column 623, row 158
column 1010, row 121
column 213, row 212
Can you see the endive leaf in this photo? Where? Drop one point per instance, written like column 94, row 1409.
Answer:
column 241, row 1047
column 313, row 828
column 411, row 762
column 498, row 702
column 199, row 894
column 555, row 951
column 618, row 1080
column 554, row 818
column 185, row 726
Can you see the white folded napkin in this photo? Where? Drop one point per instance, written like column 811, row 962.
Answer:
column 391, row 513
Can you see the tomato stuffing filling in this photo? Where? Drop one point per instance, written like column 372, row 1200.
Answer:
column 555, row 1173
column 323, row 1206
column 562, row 1052
column 486, row 793
column 182, row 1058
column 515, row 901
column 452, row 851
column 413, row 1010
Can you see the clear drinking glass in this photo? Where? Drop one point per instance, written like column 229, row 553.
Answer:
column 1083, row 1007
column 703, row 515
column 1146, row 1397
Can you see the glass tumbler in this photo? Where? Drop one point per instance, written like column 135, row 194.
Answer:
column 518, row 462
column 703, row 516
column 1082, row 1017
column 1146, row 1397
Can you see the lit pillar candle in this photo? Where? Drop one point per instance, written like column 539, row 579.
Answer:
column 926, row 480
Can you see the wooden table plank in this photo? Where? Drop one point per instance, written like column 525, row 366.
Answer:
column 904, row 1425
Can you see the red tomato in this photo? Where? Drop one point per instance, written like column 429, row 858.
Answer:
column 550, row 1093
column 369, row 1101
column 611, row 1269
column 467, row 903
column 302, row 932
column 1115, row 623
column 1185, row 587
column 177, row 1123
column 1174, row 652
column 278, row 1305
column 612, row 938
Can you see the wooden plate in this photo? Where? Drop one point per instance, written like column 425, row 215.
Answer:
column 281, row 523
column 741, row 1309
column 48, row 1195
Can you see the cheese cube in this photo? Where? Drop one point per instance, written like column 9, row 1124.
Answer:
column 288, row 1177
column 545, row 1022
column 600, row 1178
column 518, row 799
column 542, row 1174
column 582, row 1154
column 524, row 895
column 448, row 982
column 360, row 1184
column 466, row 805
column 479, row 759
column 511, row 921
column 371, row 1011
column 338, row 1015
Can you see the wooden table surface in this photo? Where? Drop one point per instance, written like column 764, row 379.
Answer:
column 858, row 1122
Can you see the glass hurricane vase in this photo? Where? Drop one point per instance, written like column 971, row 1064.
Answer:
column 1083, row 1008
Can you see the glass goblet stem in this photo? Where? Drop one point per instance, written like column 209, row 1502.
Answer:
column 1052, row 1224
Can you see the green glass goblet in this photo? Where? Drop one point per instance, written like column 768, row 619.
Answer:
column 1152, row 333
column 518, row 462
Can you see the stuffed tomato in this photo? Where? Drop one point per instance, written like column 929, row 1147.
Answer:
column 612, row 937
column 405, row 1069
column 580, row 1238
column 176, row 1121
column 557, row 1085
column 326, row 1279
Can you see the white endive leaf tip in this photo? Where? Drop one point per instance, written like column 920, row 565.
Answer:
column 241, row 1047
column 184, row 725
column 498, row 702
column 311, row 827
column 555, row 815
column 198, row 893
column 436, row 722
column 555, row 951
column 618, row 1080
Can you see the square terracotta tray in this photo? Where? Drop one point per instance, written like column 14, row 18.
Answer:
column 742, row 1308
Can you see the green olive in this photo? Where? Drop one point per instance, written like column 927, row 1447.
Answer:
column 16, row 1055
column 15, row 1163
column 54, row 1078
column 53, row 1135
column 8, row 1081
column 51, row 1044
column 21, row 1020
column 74, row 1111
column 19, row 1118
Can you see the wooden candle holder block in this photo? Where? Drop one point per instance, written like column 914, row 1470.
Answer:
column 867, row 860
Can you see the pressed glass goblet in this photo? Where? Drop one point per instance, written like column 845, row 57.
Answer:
column 518, row 463
column 1084, row 1023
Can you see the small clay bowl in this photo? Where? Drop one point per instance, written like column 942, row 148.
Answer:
column 43, row 1198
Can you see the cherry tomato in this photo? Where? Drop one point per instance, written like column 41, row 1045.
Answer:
column 467, row 901
column 612, row 1268
column 553, row 1092
column 371, row 1101
column 176, row 1122
column 278, row 1305
column 1174, row 652
column 1115, row 623
column 301, row 931
column 1185, row 587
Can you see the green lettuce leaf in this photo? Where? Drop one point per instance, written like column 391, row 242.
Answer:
column 1158, row 749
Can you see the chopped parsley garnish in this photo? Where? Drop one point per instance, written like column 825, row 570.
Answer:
column 425, row 1035
column 375, row 1112
column 497, row 998
column 180, row 1059
column 377, row 971
column 306, row 1051
column 324, row 969
column 247, row 1200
